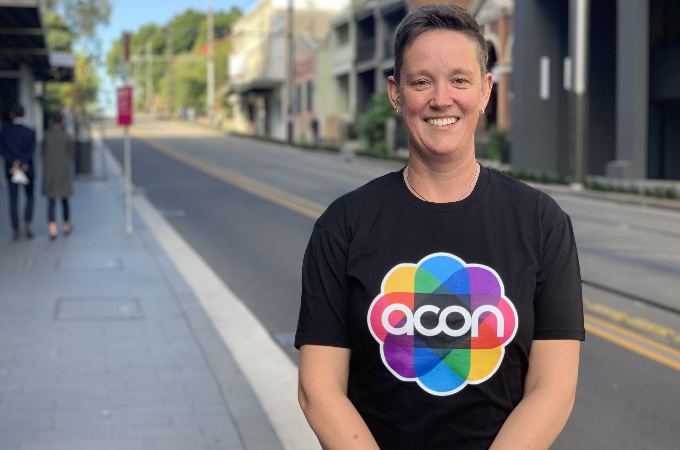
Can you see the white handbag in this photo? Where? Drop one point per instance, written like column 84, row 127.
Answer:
column 19, row 177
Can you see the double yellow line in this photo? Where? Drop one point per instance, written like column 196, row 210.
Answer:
column 633, row 341
column 616, row 334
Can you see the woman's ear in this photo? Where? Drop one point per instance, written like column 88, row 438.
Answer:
column 487, row 85
column 393, row 92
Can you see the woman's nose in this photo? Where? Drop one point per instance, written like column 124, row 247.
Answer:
column 441, row 97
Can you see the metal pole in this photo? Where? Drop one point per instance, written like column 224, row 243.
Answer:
column 149, row 77
column 581, row 112
column 128, row 166
column 211, row 62
column 291, row 71
column 171, row 52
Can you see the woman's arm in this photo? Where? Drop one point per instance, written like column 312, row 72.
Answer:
column 322, row 393
column 549, row 391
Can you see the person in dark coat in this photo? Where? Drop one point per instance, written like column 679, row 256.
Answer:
column 17, row 144
column 58, row 149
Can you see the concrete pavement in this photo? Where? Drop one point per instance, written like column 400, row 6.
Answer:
column 104, row 345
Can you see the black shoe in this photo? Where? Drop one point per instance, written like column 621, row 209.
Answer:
column 16, row 235
column 27, row 232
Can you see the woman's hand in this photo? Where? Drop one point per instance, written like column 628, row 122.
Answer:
column 322, row 392
column 549, row 392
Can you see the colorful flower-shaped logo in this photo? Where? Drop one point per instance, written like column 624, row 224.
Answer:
column 442, row 323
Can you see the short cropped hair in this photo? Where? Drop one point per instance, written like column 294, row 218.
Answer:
column 438, row 17
column 18, row 110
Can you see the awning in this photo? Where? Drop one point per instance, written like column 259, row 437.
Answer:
column 22, row 40
column 257, row 85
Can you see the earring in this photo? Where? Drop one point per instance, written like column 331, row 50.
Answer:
column 482, row 110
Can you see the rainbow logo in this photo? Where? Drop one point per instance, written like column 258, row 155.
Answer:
column 442, row 323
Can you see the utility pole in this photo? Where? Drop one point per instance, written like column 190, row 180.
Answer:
column 211, row 62
column 138, row 76
column 127, row 151
column 291, row 70
column 149, row 77
column 579, row 29
column 171, row 87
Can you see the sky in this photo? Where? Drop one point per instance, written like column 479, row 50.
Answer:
column 128, row 15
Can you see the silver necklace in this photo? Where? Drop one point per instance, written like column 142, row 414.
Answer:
column 418, row 193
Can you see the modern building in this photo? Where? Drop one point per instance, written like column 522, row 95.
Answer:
column 26, row 61
column 259, row 61
column 629, row 94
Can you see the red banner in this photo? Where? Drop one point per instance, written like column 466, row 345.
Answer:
column 125, row 105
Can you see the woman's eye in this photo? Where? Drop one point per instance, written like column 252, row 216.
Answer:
column 460, row 81
column 420, row 83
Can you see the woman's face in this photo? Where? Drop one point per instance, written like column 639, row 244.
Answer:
column 441, row 93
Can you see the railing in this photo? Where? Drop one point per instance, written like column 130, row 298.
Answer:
column 365, row 49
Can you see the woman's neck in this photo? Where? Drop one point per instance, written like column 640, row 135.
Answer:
column 441, row 181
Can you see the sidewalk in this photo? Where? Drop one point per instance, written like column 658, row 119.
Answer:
column 103, row 345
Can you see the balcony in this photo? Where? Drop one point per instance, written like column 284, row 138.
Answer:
column 366, row 49
column 342, row 59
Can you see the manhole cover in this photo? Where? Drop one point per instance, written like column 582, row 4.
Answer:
column 98, row 308
column 89, row 263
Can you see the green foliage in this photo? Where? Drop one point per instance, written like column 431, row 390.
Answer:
column 83, row 16
column 540, row 176
column 79, row 94
column 59, row 36
column 189, row 34
column 70, row 22
column 498, row 143
column 222, row 22
column 657, row 191
column 371, row 124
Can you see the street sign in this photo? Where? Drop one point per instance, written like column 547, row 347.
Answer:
column 126, row 46
column 125, row 105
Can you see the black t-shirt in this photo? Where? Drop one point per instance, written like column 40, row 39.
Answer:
column 439, row 303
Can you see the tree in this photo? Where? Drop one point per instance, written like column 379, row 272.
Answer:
column 69, row 22
column 59, row 36
column 189, row 35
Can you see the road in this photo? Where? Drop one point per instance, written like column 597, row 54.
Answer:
column 630, row 261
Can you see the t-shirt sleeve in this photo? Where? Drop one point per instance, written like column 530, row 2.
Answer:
column 323, row 311
column 558, row 304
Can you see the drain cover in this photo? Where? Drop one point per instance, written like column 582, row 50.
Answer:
column 98, row 308
column 89, row 263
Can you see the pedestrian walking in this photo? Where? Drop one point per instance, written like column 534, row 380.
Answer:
column 17, row 144
column 441, row 304
column 58, row 152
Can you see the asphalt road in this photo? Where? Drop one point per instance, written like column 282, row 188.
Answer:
column 630, row 261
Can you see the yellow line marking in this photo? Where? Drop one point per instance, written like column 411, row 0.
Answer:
column 633, row 335
column 633, row 346
column 292, row 202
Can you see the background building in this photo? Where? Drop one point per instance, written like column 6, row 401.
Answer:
column 259, row 75
column 632, row 89
column 26, row 62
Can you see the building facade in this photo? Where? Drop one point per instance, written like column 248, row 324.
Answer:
column 630, row 94
column 26, row 62
column 259, row 92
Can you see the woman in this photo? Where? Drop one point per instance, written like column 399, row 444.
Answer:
column 441, row 304
column 58, row 153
